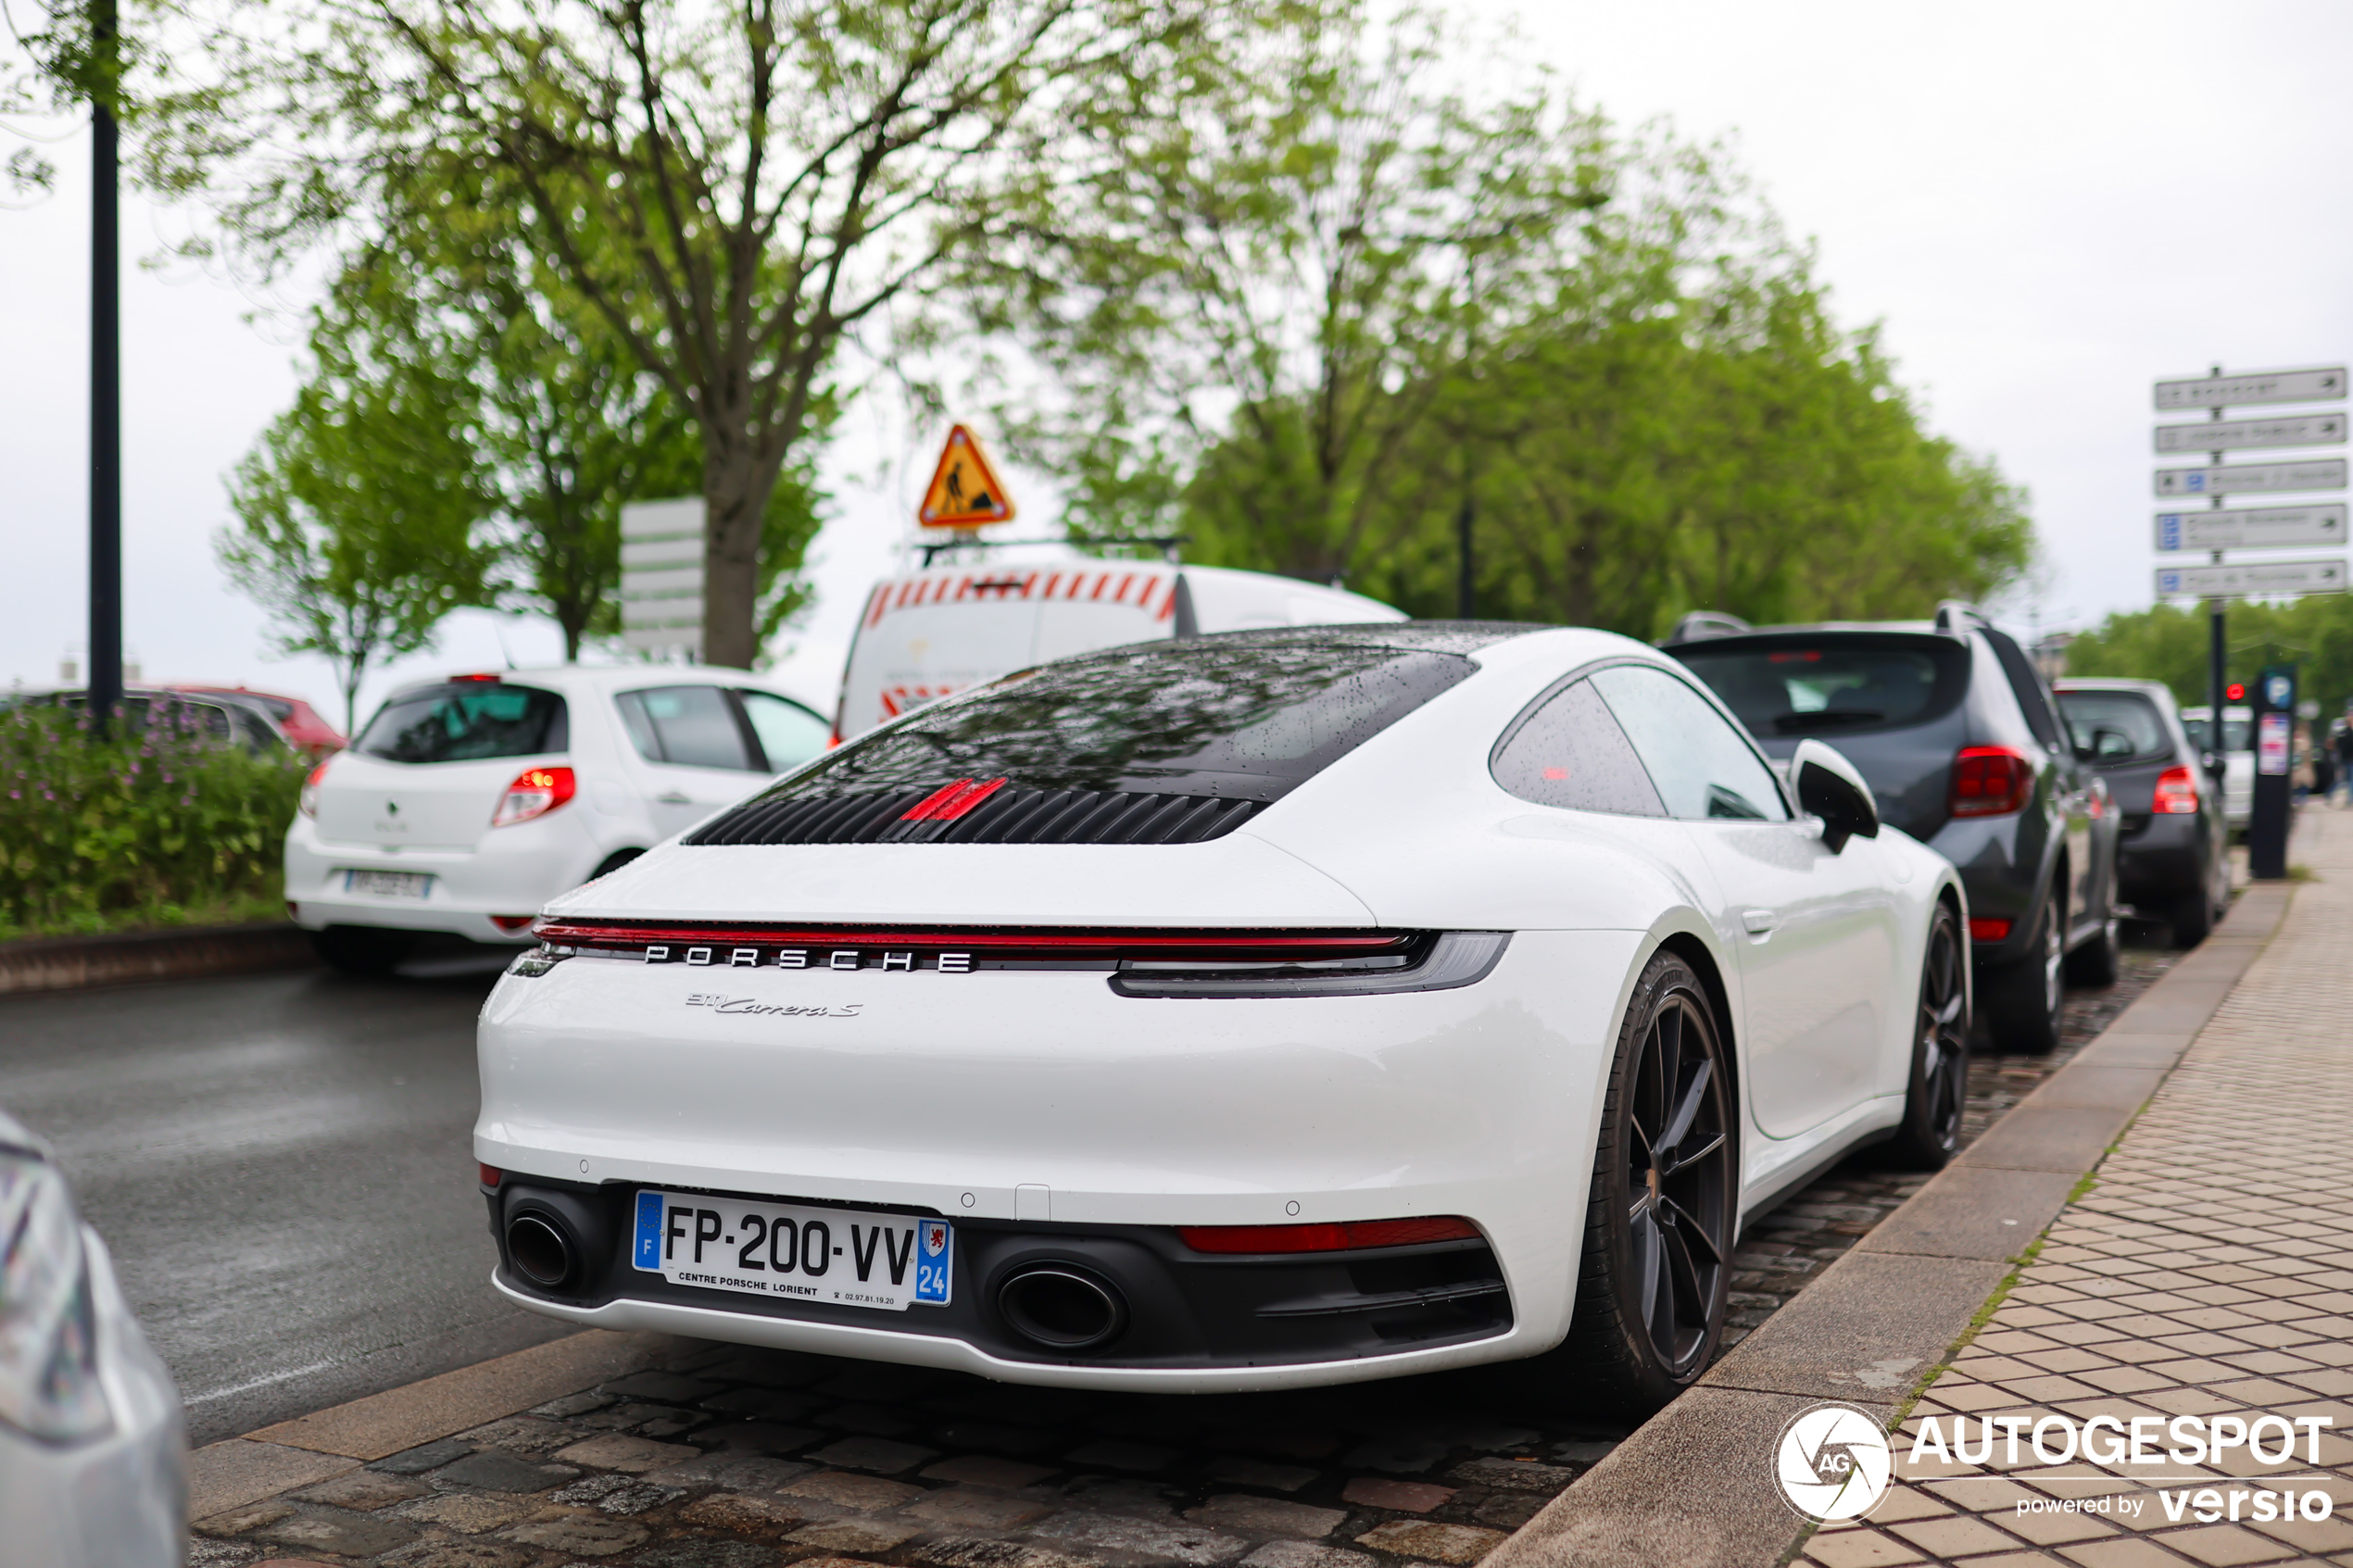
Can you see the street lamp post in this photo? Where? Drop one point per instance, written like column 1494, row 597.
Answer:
column 106, row 386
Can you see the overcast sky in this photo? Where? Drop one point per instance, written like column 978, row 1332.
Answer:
column 2048, row 204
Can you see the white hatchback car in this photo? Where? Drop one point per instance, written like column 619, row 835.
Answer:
column 1242, row 1012
column 466, row 804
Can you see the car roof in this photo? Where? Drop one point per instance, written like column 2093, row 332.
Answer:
column 602, row 677
column 1814, row 628
column 2112, row 684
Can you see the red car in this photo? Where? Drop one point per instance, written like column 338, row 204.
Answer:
column 310, row 734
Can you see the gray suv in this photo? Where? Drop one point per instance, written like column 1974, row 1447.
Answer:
column 1964, row 748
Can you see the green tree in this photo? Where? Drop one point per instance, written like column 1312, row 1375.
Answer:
column 2171, row 643
column 569, row 425
column 1260, row 298
column 358, row 512
column 776, row 180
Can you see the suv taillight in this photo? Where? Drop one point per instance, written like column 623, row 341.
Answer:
column 2176, row 793
column 308, row 801
column 1991, row 781
column 535, row 793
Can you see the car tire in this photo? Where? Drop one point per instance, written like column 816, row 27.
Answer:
column 2023, row 998
column 1937, row 1092
column 1661, row 1212
column 2193, row 917
column 2099, row 962
column 362, row 949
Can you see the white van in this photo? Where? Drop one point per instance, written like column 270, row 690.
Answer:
column 935, row 631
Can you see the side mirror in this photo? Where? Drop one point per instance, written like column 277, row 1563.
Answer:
column 1828, row 787
column 2215, row 767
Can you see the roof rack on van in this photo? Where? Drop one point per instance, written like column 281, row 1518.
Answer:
column 1957, row 617
column 1702, row 625
column 1165, row 544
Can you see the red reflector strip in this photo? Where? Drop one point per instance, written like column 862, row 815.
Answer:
column 491, row 1174
column 1987, row 928
column 1345, row 1237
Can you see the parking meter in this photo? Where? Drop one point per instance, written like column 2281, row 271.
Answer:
column 2268, row 815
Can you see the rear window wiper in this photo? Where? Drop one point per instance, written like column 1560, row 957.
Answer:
column 1824, row 718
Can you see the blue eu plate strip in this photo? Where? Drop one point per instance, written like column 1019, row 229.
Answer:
column 935, row 1260
column 647, row 1253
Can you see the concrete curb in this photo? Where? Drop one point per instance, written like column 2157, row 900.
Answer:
column 61, row 964
column 260, row 1464
column 1692, row 1487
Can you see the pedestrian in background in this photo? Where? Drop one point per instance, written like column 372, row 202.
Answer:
column 2345, row 757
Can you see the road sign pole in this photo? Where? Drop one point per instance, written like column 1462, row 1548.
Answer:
column 105, row 400
column 2218, row 653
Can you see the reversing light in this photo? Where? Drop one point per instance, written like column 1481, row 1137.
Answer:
column 1345, row 1237
column 535, row 793
column 308, row 801
column 1990, row 780
column 1988, row 928
column 2176, row 793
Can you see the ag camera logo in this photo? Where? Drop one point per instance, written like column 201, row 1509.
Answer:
column 1833, row 1462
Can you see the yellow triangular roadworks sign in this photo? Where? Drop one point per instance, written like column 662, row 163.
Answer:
column 965, row 492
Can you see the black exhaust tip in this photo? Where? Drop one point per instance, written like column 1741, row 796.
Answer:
column 539, row 1247
column 1062, row 1307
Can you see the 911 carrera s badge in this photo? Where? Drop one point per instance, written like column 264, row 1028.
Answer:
column 751, row 1007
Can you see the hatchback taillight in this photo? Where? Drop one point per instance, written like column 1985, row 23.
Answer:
column 535, row 793
column 1991, row 781
column 2176, row 793
column 308, row 801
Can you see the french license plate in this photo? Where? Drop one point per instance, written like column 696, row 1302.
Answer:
column 389, row 885
column 845, row 1257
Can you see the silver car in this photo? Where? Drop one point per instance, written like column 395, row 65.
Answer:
column 94, row 1458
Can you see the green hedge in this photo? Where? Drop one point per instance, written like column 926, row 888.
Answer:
column 163, row 827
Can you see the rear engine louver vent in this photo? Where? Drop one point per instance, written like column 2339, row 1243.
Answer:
column 1007, row 816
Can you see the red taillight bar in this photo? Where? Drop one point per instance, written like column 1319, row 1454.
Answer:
column 1269, row 947
column 1345, row 1237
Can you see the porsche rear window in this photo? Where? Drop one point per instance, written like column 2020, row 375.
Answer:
column 1833, row 685
column 466, row 721
column 1245, row 717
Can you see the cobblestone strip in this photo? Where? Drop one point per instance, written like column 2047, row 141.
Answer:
column 2208, row 1272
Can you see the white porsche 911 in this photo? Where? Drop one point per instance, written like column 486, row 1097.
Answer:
column 1248, row 1011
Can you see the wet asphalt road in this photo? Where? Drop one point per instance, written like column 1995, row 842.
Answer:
column 282, row 1166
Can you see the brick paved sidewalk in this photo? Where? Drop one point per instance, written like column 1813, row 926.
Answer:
column 2208, row 1272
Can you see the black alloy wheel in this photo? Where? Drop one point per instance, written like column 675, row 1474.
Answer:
column 1663, row 1208
column 1929, row 1134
